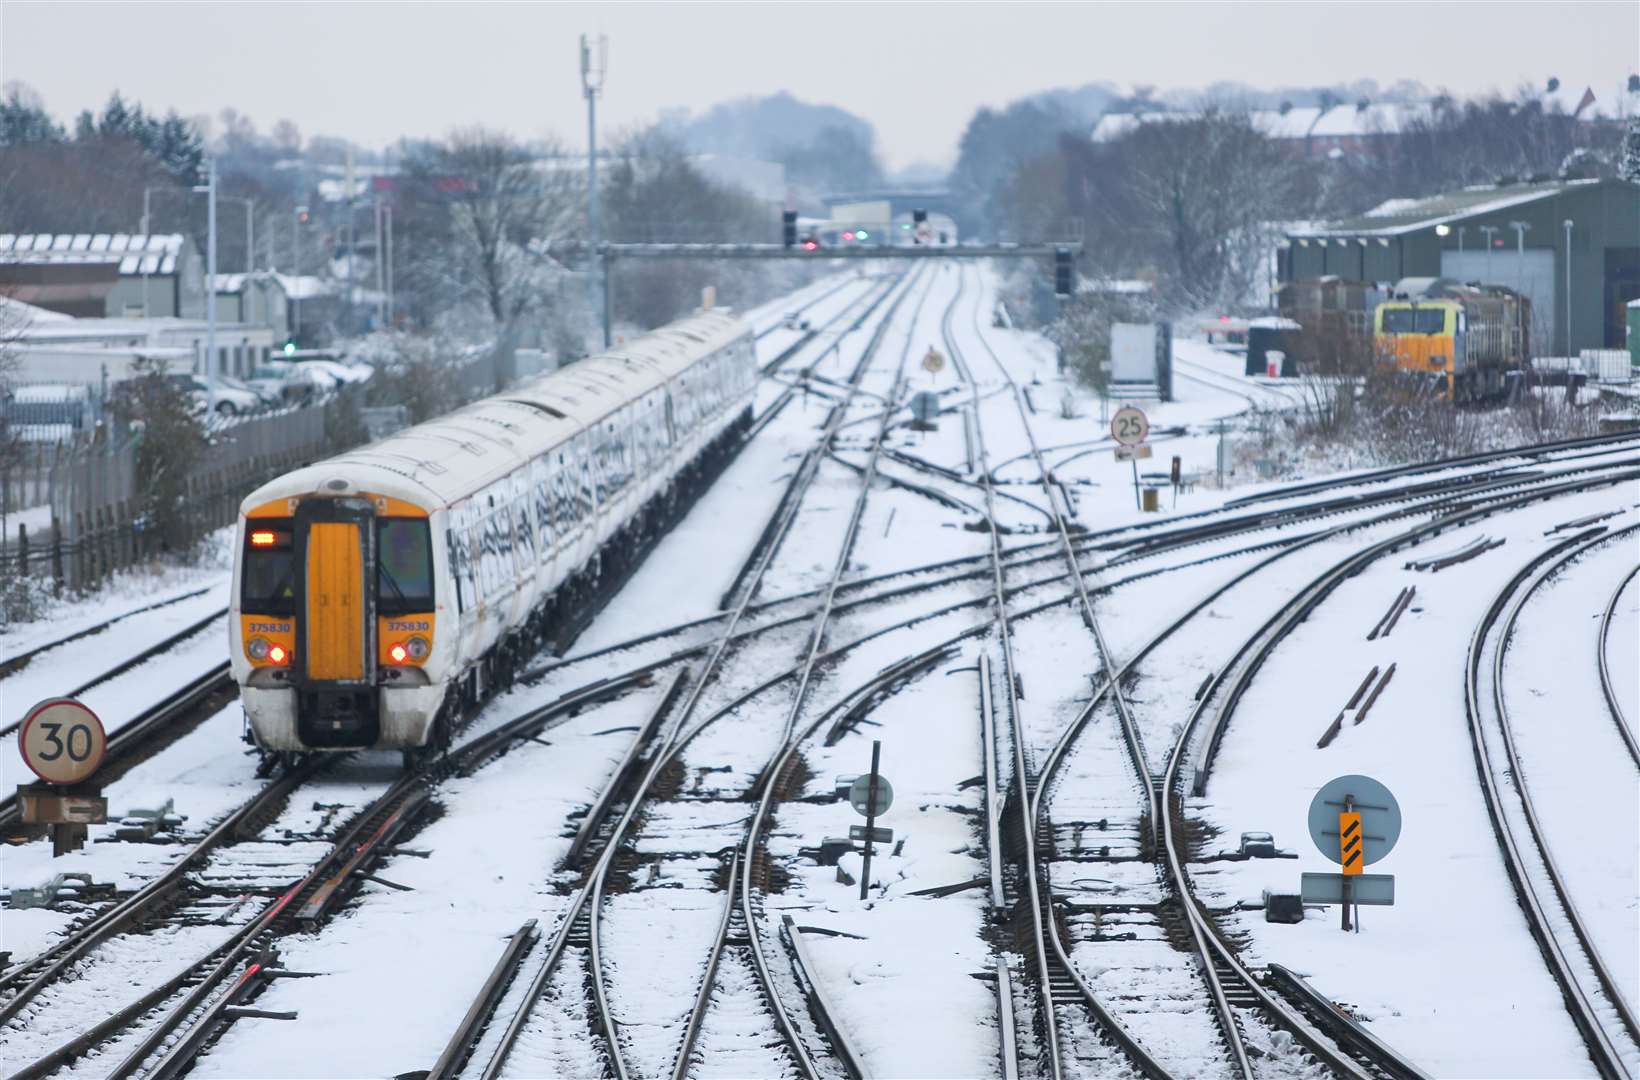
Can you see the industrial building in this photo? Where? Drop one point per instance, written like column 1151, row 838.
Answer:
column 1571, row 246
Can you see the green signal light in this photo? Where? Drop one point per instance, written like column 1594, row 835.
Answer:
column 862, row 235
column 290, row 347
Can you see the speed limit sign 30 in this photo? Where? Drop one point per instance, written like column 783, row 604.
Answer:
column 62, row 741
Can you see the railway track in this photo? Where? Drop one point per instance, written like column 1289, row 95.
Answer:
column 26, row 981
column 13, row 664
column 610, row 826
column 1593, row 995
column 1602, row 654
column 1135, row 544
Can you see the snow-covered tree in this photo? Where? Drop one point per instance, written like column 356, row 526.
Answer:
column 1629, row 164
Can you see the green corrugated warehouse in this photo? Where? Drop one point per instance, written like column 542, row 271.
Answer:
column 1471, row 235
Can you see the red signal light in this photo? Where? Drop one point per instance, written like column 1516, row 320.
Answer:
column 277, row 654
column 848, row 236
column 398, row 653
column 262, row 538
column 810, row 245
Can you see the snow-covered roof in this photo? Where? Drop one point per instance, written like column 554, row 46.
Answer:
column 1587, row 102
column 1297, row 122
column 1396, row 216
column 14, row 313
column 304, row 286
column 135, row 253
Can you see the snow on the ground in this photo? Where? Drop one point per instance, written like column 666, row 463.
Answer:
column 1425, row 972
column 125, row 591
column 397, row 969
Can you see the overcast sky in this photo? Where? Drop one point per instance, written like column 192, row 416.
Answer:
column 374, row 72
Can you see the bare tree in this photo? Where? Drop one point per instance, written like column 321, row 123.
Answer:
column 1212, row 189
column 481, row 216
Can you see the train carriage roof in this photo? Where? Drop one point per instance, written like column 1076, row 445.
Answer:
column 440, row 461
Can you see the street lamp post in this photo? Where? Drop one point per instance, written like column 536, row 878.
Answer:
column 1520, row 228
column 209, row 188
column 593, row 68
column 1568, row 224
column 1487, row 231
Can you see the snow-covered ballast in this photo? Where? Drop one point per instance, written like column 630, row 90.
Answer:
column 376, row 592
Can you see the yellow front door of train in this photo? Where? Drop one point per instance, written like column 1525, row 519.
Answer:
column 336, row 538
column 335, row 618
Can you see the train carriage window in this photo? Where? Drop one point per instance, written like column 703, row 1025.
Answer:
column 1430, row 320
column 457, row 548
column 268, row 574
column 523, row 528
column 404, row 566
column 542, row 491
column 563, row 486
column 584, row 487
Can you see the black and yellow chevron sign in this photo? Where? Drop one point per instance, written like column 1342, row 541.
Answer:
column 1352, row 847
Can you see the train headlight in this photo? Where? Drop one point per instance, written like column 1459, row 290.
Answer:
column 257, row 648
column 418, row 648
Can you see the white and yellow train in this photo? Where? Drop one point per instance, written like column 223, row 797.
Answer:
column 379, row 592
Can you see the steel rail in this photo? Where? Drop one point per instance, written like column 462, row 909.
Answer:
column 1509, row 602
column 844, row 281
column 1263, row 640
column 1036, row 805
column 171, row 641
column 739, row 894
column 587, row 898
column 1044, row 930
column 1165, row 539
column 45, row 968
column 204, row 975
column 21, row 660
column 1606, row 688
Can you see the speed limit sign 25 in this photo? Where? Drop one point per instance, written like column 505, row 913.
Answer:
column 1129, row 426
column 62, row 741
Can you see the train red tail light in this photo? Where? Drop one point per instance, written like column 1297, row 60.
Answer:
column 399, row 654
column 263, row 538
column 277, row 654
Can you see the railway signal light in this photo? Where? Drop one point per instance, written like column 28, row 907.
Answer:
column 811, row 245
column 1064, row 272
column 788, row 227
column 861, row 234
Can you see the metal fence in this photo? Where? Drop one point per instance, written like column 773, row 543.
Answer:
column 97, row 520
column 88, row 475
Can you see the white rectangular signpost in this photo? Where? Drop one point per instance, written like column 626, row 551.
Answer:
column 1372, row 889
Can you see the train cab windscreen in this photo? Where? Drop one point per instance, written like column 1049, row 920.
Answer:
column 268, row 581
column 404, row 566
column 1430, row 320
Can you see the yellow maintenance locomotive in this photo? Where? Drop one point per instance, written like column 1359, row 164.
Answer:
column 1465, row 339
column 379, row 592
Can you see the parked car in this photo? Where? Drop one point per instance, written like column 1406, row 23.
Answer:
column 335, row 369
column 233, row 398
column 293, row 383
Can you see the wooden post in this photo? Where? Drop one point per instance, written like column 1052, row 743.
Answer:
column 22, row 549
column 56, row 558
